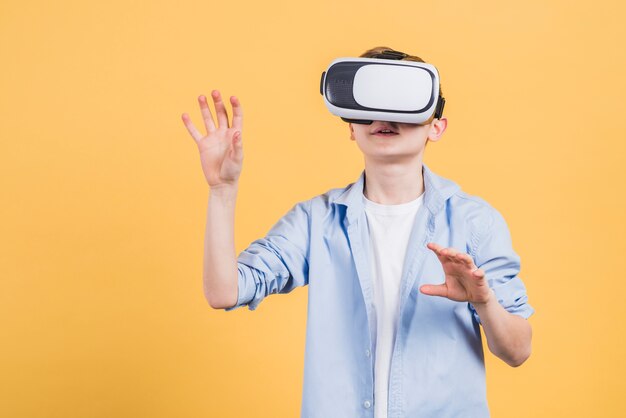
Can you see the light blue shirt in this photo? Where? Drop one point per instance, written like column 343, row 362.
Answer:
column 437, row 366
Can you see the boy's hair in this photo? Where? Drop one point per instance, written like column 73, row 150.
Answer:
column 372, row 53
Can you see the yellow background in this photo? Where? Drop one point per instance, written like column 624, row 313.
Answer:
column 104, row 201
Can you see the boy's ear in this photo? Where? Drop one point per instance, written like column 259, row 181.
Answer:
column 351, row 132
column 437, row 128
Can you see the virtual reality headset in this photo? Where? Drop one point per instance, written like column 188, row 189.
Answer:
column 361, row 90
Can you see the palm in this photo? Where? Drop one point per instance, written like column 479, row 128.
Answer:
column 217, row 158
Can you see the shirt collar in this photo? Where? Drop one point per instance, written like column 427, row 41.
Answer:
column 437, row 190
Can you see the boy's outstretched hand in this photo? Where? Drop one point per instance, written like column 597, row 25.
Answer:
column 221, row 149
column 464, row 281
column 508, row 335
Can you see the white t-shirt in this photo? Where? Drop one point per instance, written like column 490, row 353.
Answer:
column 389, row 227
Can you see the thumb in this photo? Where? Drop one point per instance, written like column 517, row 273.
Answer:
column 434, row 290
column 237, row 146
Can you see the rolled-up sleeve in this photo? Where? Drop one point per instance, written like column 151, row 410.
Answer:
column 494, row 254
column 277, row 263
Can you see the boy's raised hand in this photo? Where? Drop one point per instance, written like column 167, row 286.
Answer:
column 464, row 281
column 221, row 151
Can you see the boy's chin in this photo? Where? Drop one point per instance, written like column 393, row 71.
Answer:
column 392, row 156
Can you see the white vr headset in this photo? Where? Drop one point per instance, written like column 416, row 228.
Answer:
column 361, row 90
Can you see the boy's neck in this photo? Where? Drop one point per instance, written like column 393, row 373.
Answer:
column 393, row 184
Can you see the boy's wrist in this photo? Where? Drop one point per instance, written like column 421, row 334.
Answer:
column 229, row 188
column 491, row 299
column 224, row 193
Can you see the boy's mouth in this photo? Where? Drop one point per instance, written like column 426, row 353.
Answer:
column 384, row 130
column 385, row 133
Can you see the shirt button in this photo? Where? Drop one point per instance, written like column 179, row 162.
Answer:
column 367, row 353
column 367, row 404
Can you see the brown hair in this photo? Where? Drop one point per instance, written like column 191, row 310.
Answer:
column 372, row 53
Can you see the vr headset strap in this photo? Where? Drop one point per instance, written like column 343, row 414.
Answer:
column 439, row 109
column 389, row 54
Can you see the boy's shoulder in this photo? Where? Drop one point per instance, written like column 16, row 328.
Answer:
column 474, row 209
column 461, row 197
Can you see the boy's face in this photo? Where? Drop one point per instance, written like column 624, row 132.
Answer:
column 407, row 142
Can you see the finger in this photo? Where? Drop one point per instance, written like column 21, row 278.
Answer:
column 465, row 259
column 209, row 124
column 435, row 247
column 479, row 273
column 451, row 252
column 447, row 255
column 220, row 109
column 434, row 290
column 237, row 113
column 439, row 252
column 192, row 129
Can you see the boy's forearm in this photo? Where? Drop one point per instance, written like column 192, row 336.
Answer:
column 220, row 266
column 508, row 335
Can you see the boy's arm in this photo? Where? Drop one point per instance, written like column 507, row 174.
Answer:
column 220, row 267
column 496, row 294
column 278, row 262
column 508, row 335
column 221, row 156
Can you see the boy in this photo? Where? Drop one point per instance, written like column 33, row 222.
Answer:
column 402, row 267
